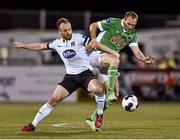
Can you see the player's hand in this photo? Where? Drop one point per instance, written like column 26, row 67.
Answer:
column 17, row 45
column 149, row 60
column 91, row 45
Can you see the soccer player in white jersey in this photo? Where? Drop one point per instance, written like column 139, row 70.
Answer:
column 70, row 48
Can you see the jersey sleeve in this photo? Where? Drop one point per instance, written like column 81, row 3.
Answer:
column 86, row 40
column 133, row 41
column 83, row 39
column 51, row 45
column 106, row 23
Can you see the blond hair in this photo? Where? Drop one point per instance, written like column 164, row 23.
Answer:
column 62, row 20
column 131, row 14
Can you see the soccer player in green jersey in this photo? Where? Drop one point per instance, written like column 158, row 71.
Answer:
column 115, row 33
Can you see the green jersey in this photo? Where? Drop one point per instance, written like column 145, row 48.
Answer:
column 114, row 36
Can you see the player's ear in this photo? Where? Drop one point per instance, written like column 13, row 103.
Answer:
column 59, row 32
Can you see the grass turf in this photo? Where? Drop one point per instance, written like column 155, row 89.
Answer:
column 150, row 121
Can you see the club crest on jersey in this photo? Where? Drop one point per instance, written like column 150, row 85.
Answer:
column 69, row 53
column 73, row 43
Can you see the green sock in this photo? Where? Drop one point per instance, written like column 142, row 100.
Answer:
column 106, row 106
column 111, row 78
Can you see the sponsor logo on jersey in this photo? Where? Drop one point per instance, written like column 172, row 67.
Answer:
column 119, row 40
column 69, row 53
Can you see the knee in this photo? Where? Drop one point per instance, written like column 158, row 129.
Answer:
column 53, row 101
column 100, row 89
column 115, row 61
column 96, row 87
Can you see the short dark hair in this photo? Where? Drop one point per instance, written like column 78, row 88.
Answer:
column 131, row 13
column 62, row 20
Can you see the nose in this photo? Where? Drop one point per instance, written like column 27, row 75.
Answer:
column 69, row 32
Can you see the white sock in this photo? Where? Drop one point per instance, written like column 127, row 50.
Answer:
column 42, row 113
column 100, row 100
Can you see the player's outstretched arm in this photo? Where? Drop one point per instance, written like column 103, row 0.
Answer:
column 140, row 56
column 30, row 46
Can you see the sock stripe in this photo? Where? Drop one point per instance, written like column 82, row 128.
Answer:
column 40, row 112
column 112, row 70
column 101, row 101
column 48, row 105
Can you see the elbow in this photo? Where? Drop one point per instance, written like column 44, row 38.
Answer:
column 40, row 47
column 93, row 26
column 37, row 48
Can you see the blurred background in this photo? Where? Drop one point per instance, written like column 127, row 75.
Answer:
column 28, row 76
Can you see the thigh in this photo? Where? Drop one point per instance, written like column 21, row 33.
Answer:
column 94, row 59
column 69, row 83
column 95, row 86
column 60, row 93
column 106, row 58
column 109, row 59
column 87, row 80
column 84, row 78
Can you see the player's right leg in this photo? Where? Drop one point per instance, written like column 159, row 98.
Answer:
column 92, row 118
column 59, row 94
column 97, row 87
column 97, row 58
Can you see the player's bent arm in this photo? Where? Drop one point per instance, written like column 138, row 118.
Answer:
column 93, row 34
column 93, row 30
column 31, row 46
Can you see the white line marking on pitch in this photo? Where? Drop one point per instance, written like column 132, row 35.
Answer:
column 71, row 125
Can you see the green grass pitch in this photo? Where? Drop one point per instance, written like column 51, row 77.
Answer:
column 150, row 121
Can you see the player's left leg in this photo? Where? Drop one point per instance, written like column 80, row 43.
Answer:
column 111, row 83
column 58, row 94
column 112, row 72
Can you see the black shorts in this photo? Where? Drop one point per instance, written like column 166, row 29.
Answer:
column 72, row 82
